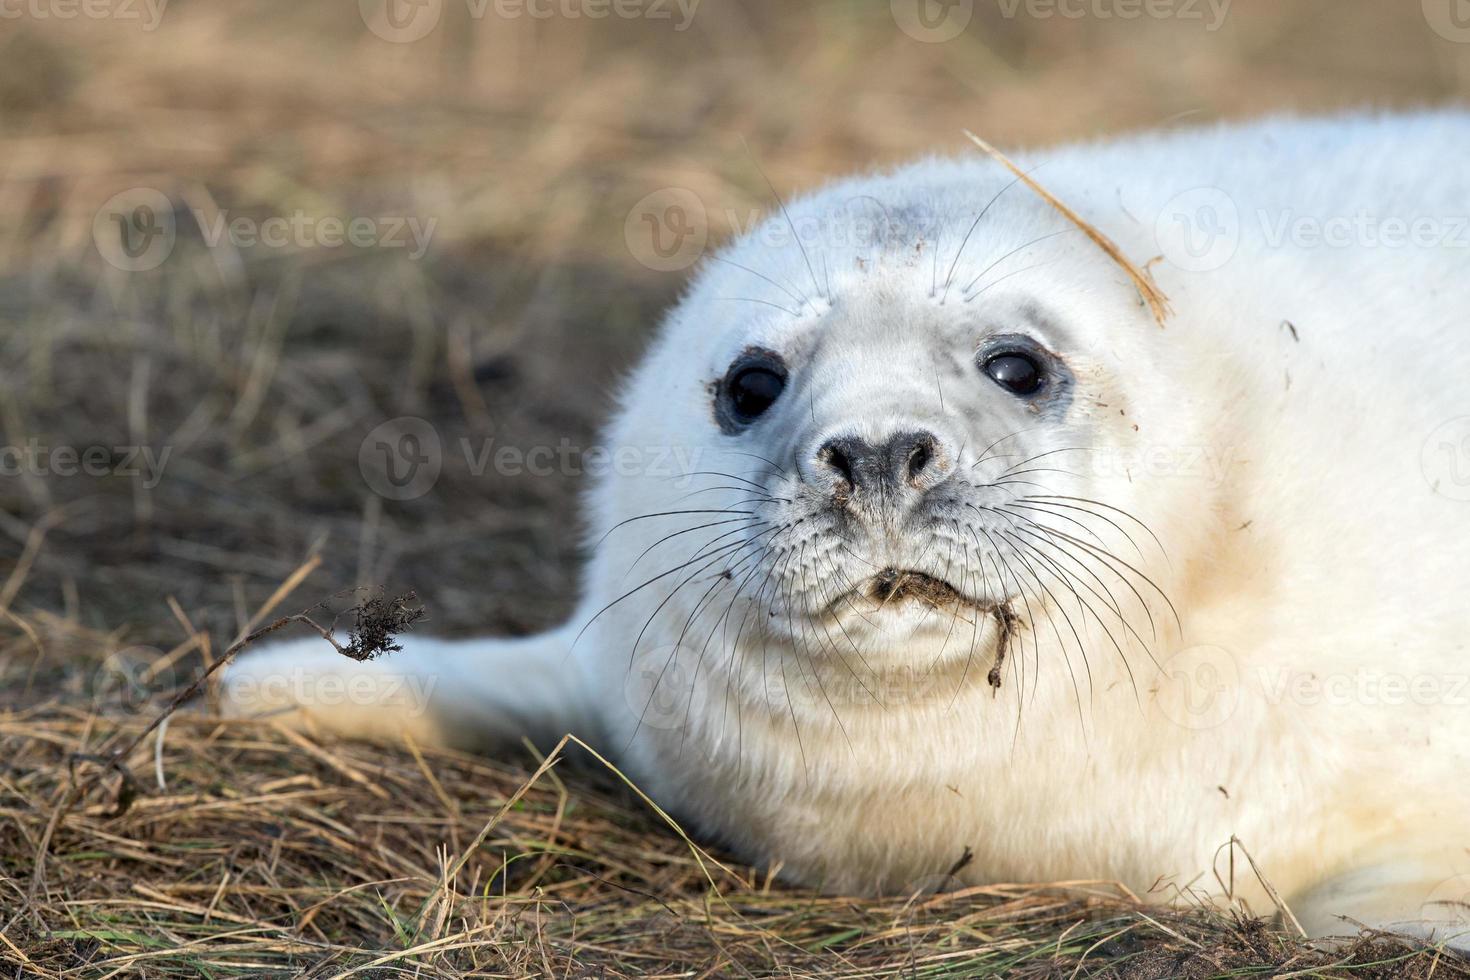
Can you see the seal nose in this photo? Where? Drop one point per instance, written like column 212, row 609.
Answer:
column 856, row 466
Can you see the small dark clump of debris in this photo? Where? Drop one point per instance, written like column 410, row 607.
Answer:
column 379, row 621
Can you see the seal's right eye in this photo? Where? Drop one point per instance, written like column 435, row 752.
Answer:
column 754, row 389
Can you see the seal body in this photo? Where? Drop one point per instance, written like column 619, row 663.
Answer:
column 974, row 567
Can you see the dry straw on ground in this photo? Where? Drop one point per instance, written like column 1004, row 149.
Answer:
column 232, row 848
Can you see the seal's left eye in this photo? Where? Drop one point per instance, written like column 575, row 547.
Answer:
column 753, row 390
column 1016, row 372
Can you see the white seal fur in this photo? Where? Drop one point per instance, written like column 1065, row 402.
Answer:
column 951, row 632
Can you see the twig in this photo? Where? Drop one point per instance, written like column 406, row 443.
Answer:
column 1157, row 302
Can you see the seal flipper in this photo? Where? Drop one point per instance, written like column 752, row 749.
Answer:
column 467, row 694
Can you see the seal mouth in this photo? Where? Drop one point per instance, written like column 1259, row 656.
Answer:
column 897, row 584
column 892, row 587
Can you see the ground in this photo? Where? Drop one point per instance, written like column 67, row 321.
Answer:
column 252, row 373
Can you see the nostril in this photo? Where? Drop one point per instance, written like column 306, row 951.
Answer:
column 920, row 456
column 836, row 457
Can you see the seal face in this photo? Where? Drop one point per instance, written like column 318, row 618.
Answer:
column 964, row 553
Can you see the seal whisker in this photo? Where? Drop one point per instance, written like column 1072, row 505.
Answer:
column 970, row 297
column 796, row 236
column 639, row 588
column 670, row 513
column 750, row 498
column 816, row 673
column 1084, row 607
column 986, row 453
column 1015, row 505
column 1050, row 531
column 1003, row 568
column 1106, row 556
column 1045, row 507
column 970, row 654
column 761, row 302
column 1116, row 510
column 1052, row 452
column 966, row 240
column 730, row 476
column 1072, row 627
column 724, row 551
column 800, row 299
column 1019, row 248
column 764, row 459
column 747, row 521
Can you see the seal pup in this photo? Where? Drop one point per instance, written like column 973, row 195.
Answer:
column 977, row 556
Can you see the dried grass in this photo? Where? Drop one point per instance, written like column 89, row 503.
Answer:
column 273, row 852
